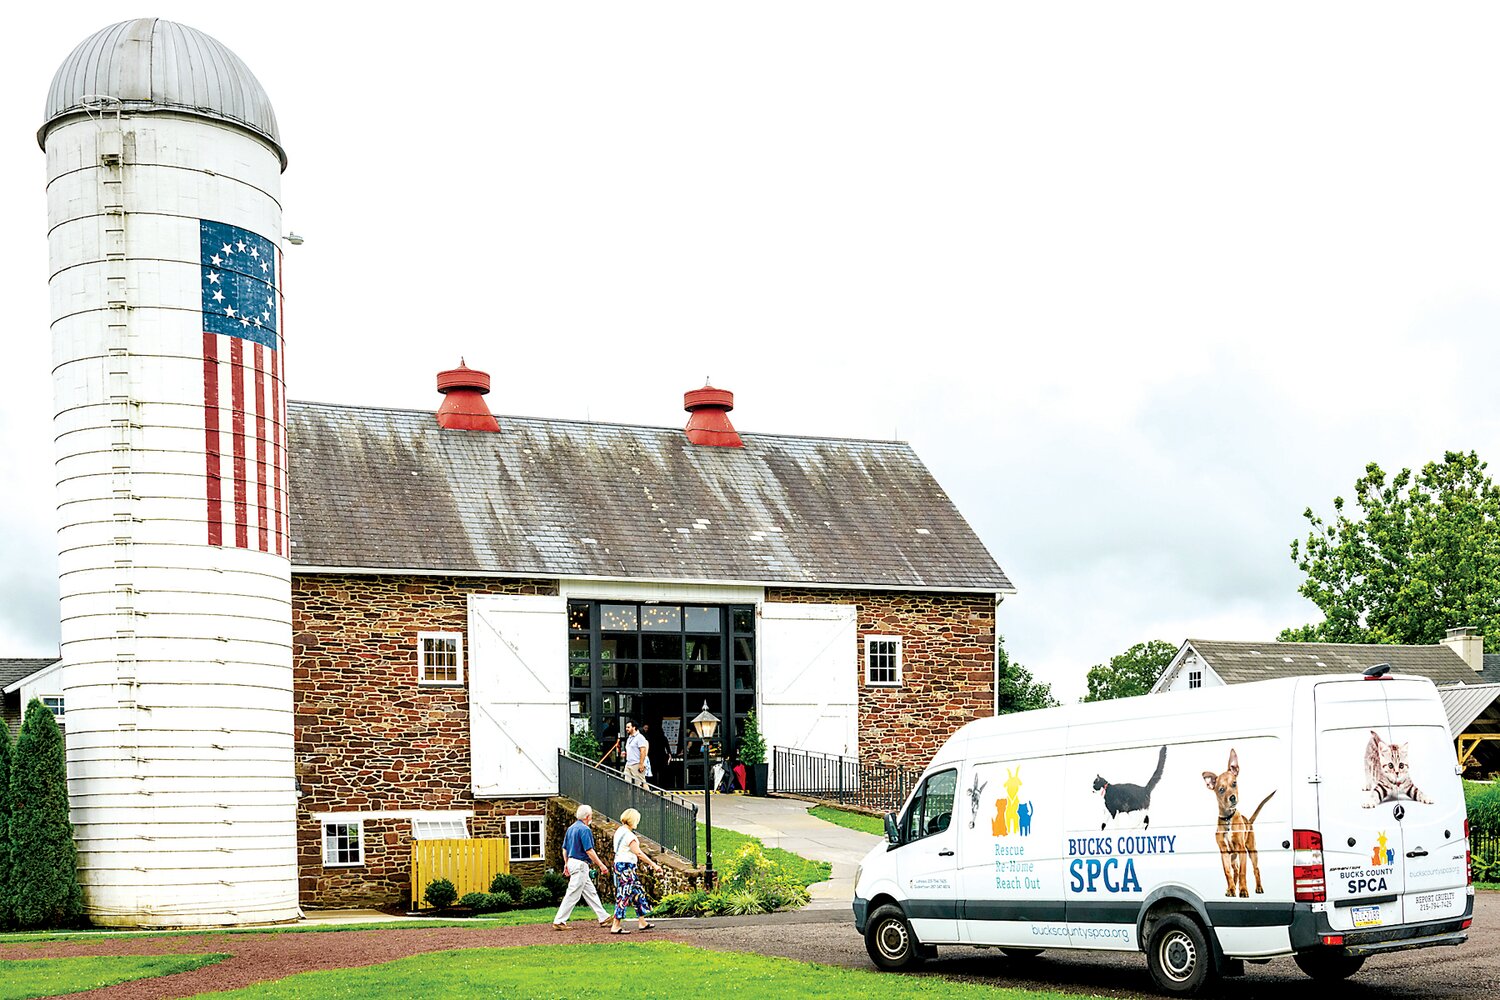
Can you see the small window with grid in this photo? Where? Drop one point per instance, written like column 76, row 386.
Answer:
column 525, row 833
column 343, row 844
column 54, row 702
column 883, row 660
column 439, row 828
column 1195, row 678
column 440, row 658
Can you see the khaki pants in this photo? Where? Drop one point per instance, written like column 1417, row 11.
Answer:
column 580, row 886
column 636, row 774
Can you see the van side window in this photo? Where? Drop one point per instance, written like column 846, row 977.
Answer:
column 932, row 807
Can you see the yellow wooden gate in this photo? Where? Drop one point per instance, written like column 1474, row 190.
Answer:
column 469, row 864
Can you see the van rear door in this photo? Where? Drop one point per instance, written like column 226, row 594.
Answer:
column 1434, row 877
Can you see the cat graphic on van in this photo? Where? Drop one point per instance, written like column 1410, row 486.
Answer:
column 1388, row 773
column 1127, row 798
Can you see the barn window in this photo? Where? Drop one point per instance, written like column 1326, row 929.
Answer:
column 439, row 828
column 54, row 703
column 440, row 658
column 883, row 660
column 343, row 844
column 525, row 833
column 1195, row 678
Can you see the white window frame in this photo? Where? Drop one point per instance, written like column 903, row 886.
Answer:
column 511, row 822
column 870, row 641
column 59, row 709
column 432, row 827
column 1195, row 679
column 359, row 827
column 422, row 679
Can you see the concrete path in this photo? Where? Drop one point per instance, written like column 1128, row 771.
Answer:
column 785, row 823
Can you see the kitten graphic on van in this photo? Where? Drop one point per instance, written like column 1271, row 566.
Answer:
column 1388, row 773
column 1126, row 798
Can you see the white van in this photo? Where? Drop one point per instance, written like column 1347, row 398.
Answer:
column 1320, row 817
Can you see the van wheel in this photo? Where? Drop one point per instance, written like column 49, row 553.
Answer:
column 1328, row 965
column 1179, row 955
column 1021, row 954
column 890, row 941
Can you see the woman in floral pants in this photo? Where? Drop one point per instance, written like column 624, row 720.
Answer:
column 628, row 888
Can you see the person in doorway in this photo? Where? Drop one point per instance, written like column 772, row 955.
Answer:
column 629, row 856
column 578, row 854
column 637, row 760
column 657, row 759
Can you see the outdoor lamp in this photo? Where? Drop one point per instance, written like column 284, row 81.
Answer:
column 706, row 724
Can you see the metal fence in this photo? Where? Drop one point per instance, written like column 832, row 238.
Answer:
column 1484, row 849
column 841, row 779
column 666, row 819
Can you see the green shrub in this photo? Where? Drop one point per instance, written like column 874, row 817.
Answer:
column 534, row 896
column 5, row 876
column 679, row 904
column 473, row 900
column 741, row 902
column 498, row 902
column 44, row 891
column 556, row 884
column 752, row 743
column 440, row 893
column 1483, row 802
column 584, row 744
column 508, row 884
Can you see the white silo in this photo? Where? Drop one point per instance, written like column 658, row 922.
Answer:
column 163, row 190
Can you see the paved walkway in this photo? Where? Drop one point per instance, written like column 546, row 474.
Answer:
column 785, row 823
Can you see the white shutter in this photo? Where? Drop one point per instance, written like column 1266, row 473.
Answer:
column 518, row 693
column 809, row 668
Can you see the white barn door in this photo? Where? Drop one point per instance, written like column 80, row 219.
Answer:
column 518, row 693
column 809, row 667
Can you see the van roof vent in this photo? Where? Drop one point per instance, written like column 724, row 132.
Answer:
column 1377, row 671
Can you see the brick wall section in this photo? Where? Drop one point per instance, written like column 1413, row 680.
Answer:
column 948, row 667
column 369, row 738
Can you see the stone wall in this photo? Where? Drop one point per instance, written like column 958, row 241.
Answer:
column 678, row 876
column 948, row 667
column 368, row 738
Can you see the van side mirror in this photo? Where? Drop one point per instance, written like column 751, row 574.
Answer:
column 892, row 831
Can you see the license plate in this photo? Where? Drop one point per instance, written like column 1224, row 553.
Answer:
column 1434, row 902
column 1367, row 916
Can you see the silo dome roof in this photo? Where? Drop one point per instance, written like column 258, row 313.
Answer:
column 151, row 64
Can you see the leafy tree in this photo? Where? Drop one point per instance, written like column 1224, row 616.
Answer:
column 44, row 868
column 1130, row 673
column 6, row 905
column 1419, row 554
column 1018, row 690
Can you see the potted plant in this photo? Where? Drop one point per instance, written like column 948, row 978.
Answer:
column 753, row 755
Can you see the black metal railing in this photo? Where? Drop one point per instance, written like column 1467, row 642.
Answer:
column 841, row 779
column 666, row 819
column 1484, row 851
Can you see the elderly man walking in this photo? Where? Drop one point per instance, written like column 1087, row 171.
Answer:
column 578, row 850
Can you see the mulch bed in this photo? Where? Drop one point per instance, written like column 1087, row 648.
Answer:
column 260, row 957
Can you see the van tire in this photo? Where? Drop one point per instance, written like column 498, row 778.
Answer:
column 1328, row 966
column 1179, row 955
column 890, row 941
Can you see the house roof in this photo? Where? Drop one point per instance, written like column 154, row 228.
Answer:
column 1465, row 703
column 14, row 670
column 1240, row 662
column 387, row 489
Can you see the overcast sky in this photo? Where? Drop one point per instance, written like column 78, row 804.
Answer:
column 1139, row 282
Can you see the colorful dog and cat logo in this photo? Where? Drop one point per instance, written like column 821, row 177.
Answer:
column 1012, row 816
column 1382, row 855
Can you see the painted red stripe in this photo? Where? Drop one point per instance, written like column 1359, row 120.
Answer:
column 237, row 421
column 212, row 484
column 260, row 445
column 276, row 455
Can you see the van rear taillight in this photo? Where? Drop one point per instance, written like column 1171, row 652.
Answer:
column 1308, row 885
column 1468, row 852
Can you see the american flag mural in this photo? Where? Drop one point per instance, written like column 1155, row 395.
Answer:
column 243, row 391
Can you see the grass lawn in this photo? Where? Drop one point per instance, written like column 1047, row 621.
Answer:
column 48, row 977
column 512, row 919
column 727, row 842
column 657, row 970
column 862, row 822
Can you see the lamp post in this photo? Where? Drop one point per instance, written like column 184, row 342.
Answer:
column 706, row 724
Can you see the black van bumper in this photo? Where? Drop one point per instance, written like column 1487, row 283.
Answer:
column 861, row 913
column 1309, row 929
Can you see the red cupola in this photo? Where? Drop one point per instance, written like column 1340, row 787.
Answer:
column 709, row 423
column 463, row 407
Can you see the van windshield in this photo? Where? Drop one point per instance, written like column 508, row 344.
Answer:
column 931, row 807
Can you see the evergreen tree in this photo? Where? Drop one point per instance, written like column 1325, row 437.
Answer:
column 5, row 877
column 44, row 860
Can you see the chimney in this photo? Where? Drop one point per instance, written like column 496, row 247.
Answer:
column 1468, row 643
column 709, row 423
column 463, row 407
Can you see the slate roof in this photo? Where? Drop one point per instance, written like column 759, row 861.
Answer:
column 389, row 489
column 12, row 670
column 1242, row 662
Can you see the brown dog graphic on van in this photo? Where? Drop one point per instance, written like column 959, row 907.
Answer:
column 1236, row 833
